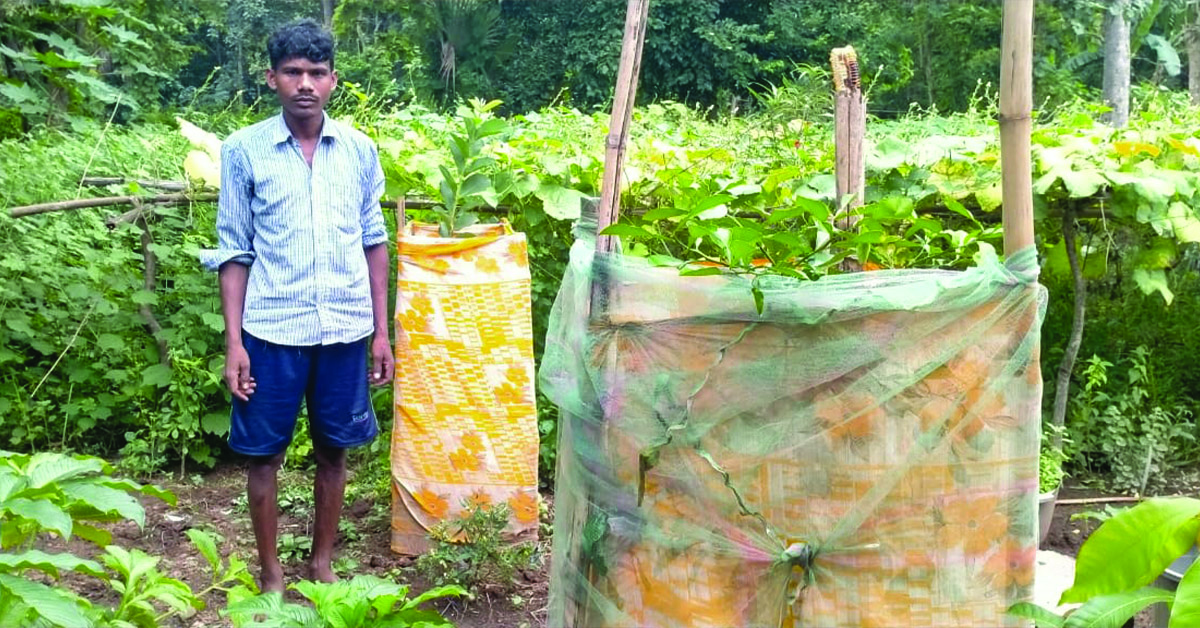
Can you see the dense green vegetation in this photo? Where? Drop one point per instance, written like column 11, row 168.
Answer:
column 65, row 60
column 83, row 372
column 497, row 110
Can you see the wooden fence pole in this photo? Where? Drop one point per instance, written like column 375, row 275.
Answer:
column 636, row 16
column 1016, row 124
column 850, row 130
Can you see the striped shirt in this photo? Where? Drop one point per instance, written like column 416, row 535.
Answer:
column 301, row 230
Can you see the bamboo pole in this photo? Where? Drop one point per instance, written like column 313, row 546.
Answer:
column 1016, row 108
column 636, row 15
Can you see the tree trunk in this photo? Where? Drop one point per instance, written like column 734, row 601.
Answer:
column 1062, row 388
column 327, row 13
column 1116, row 64
column 1193, row 54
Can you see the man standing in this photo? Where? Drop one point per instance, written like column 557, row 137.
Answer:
column 303, row 272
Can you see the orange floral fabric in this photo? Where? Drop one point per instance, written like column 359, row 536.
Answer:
column 465, row 432
column 711, row 451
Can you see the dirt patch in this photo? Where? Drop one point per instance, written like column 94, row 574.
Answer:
column 215, row 503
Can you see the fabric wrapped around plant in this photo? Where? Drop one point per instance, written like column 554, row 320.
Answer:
column 862, row 453
column 465, row 431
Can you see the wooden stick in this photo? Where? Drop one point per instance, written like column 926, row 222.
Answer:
column 149, row 276
column 1016, row 108
column 108, row 201
column 1101, row 500
column 622, row 115
column 850, row 129
column 184, row 199
column 170, row 186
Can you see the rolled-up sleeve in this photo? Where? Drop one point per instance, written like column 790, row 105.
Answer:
column 374, row 230
column 235, row 224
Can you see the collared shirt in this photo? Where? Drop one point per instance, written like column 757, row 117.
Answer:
column 301, row 230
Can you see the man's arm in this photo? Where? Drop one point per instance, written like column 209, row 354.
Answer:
column 374, row 241
column 382, row 360
column 233, row 257
column 233, row 278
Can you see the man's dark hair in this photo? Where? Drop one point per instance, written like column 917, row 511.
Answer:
column 301, row 39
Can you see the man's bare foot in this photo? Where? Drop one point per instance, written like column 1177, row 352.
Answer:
column 321, row 573
column 271, row 579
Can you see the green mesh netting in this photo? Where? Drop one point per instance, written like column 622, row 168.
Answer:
column 863, row 453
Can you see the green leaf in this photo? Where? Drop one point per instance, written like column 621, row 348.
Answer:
column 436, row 593
column 207, row 547
column 494, row 126
column 144, row 297
column 560, row 202
column 524, row 186
column 98, row 536
column 1184, row 222
column 46, row 514
column 889, row 154
column 626, row 230
column 46, row 468
column 111, row 342
column 706, row 204
column 660, row 213
column 458, row 151
column 957, row 207
column 1153, row 280
column 1186, row 611
column 1082, row 183
column 475, row 185
column 50, row 564
column 214, row 321
column 107, row 500
column 145, row 489
column 1112, row 611
column 1167, row 55
column 158, row 375
column 57, row 607
column 701, row 272
column 1041, row 617
column 216, row 423
column 1160, row 254
column 1133, row 548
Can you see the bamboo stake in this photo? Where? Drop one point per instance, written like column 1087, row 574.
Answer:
column 622, row 115
column 1016, row 107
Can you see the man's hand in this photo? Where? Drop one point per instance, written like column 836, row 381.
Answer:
column 382, row 361
column 237, row 373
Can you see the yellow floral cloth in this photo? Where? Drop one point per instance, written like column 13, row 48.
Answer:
column 465, row 432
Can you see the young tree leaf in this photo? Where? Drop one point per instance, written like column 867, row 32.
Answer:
column 56, row 607
column 1112, row 611
column 1041, row 617
column 1131, row 549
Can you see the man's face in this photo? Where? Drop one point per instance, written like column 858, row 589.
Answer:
column 303, row 86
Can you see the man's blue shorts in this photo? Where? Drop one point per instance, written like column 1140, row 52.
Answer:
column 332, row 378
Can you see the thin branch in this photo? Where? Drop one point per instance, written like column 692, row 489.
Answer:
column 108, row 201
column 70, row 344
column 149, row 271
column 154, row 184
column 1067, row 367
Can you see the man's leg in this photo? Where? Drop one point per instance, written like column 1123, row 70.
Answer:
column 262, row 489
column 329, row 490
